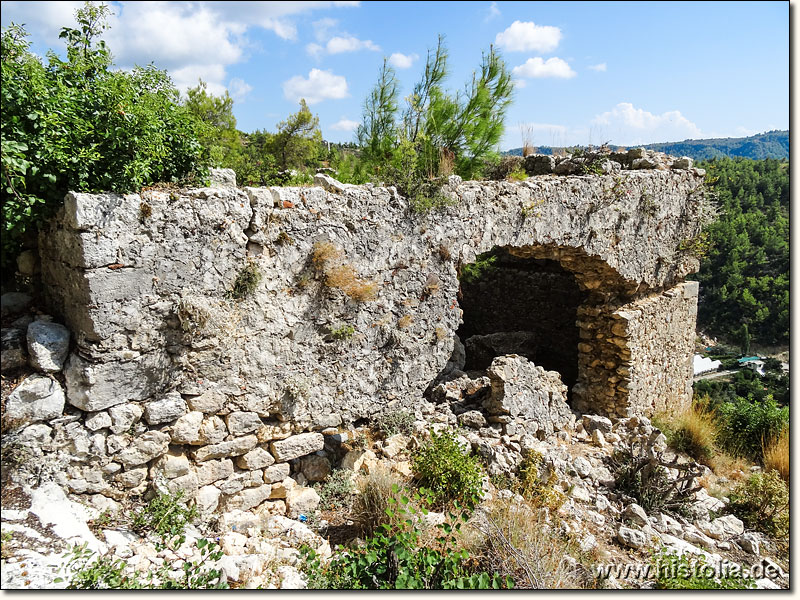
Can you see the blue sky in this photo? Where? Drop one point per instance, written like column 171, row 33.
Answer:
column 587, row 72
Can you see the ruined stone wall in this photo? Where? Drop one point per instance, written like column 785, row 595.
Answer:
column 354, row 313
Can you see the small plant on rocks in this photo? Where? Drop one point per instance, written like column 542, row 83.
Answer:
column 448, row 471
column 392, row 423
column 166, row 516
column 336, row 492
column 246, row 281
column 762, row 503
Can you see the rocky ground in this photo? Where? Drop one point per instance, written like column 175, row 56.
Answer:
column 55, row 493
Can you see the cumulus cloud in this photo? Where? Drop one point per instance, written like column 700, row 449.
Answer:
column 538, row 67
column 402, row 61
column 330, row 40
column 190, row 39
column 601, row 67
column 338, row 45
column 345, row 124
column 318, row 86
column 629, row 125
column 527, row 36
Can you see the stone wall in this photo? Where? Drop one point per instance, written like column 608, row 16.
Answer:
column 228, row 328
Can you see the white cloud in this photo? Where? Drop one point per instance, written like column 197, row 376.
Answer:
column 190, row 39
column 627, row 125
column 239, row 89
column 345, row 124
column 492, row 13
column 402, row 61
column 320, row 85
column 520, row 83
column 338, row 45
column 322, row 28
column 527, row 36
column 538, row 67
column 601, row 67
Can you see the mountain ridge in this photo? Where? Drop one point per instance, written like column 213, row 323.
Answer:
column 770, row 144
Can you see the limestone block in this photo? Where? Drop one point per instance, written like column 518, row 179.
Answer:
column 242, row 423
column 257, row 458
column 124, row 416
column 301, row 500
column 235, row 447
column 169, row 408
column 186, row 429
column 297, row 446
column 48, row 345
column 144, row 448
column 276, row 473
column 248, row 499
column 37, row 398
column 214, row 470
column 315, row 467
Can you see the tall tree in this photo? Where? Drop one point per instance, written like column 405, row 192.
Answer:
column 298, row 141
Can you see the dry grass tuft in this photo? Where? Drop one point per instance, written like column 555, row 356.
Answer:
column 776, row 455
column 405, row 321
column 328, row 259
column 692, row 431
column 515, row 539
column 369, row 505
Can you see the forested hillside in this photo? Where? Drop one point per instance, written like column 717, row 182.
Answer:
column 744, row 281
column 772, row 144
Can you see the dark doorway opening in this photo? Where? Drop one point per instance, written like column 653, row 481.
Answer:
column 522, row 306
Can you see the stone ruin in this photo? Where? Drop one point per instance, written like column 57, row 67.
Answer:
column 221, row 325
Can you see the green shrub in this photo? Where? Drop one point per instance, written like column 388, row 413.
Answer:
column 87, row 571
column 746, row 425
column 166, row 516
column 392, row 423
column 83, row 125
column 684, row 572
column 450, row 473
column 762, row 503
column 336, row 492
column 395, row 557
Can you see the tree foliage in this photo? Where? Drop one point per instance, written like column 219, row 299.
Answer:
column 77, row 124
column 744, row 282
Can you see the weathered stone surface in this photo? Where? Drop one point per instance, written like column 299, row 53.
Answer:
column 212, row 430
column 521, row 389
column 99, row 420
column 315, row 467
column 37, row 398
column 48, row 345
column 168, row 408
column 276, row 473
column 632, row 538
column 722, row 528
column 123, row 416
column 214, row 470
column 242, row 423
column 144, row 448
column 635, row 514
column 472, row 418
column 222, row 177
column 257, row 458
column 170, row 466
column 209, row 402
column 249, row 498
column 235, row 447
column 14, row 346
column 592, row 422
column 297, row 446
column 301, row 500
column 186, row 429
column 264, row 354
column 207, row 499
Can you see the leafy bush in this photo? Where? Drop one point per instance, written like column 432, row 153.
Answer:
column 762, row 503
column 395, row 558
column 336, row 492
column 166, row 516
column 87, row 571
column 744, row 426
column 448, row 471
column 82, row 125
column 684, row 572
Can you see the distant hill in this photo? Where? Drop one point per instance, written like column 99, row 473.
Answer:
column 772, row 144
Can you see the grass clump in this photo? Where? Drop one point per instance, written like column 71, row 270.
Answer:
column 776, row 454
column 246, row 281
column 449, row 472
column 684, row 572
column 692, row 431
column 328, row 260
column 369, row 504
